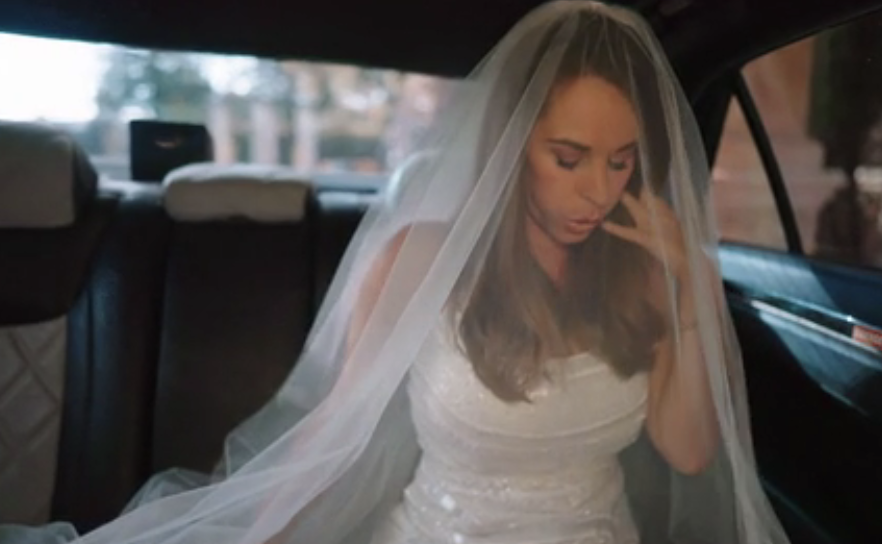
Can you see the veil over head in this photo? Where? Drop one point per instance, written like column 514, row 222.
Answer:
column 331, row 454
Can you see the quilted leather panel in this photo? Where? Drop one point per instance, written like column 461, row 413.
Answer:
column 32, row 361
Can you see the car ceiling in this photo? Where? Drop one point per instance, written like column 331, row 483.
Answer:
column 444, row 37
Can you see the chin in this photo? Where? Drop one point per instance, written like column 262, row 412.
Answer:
column 567, row 237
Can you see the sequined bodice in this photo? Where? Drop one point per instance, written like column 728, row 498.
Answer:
column 494, row 472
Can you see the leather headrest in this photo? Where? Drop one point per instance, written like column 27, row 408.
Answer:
column 45, row 178
column 216, row 192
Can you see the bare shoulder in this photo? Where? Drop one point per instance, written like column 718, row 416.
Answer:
column 426, row 237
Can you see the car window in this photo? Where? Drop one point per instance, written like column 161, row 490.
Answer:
column 820, row 101
column 745, row 208
column 317, row 117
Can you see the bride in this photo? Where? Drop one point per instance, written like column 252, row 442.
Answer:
column 529, row 345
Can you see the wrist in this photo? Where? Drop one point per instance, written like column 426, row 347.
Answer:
column 686, row 315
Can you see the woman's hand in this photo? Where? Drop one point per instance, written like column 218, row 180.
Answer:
column 657, row 229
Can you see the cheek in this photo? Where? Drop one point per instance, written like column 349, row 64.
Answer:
column 546, row 184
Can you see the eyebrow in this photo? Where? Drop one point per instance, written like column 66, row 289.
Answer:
column 582, row 147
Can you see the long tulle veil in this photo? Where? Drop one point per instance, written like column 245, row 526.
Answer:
column 331, row 453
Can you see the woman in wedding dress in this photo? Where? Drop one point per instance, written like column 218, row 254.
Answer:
column 519, row 414
column 528, row 344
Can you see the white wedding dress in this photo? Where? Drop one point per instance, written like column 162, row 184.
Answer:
column 494, row 473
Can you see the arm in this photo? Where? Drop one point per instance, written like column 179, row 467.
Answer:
column 373, row 285
column 682, row 419
column 423, row 242
column 367, row 297
column 369, row 294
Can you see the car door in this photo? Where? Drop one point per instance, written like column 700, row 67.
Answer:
column 801, row 259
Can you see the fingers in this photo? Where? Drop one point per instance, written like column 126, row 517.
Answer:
column 656, row 227
column 649, row 210
column 637, row 210
column 630, row 234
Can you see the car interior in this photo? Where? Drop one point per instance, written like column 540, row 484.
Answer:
column 120, row 295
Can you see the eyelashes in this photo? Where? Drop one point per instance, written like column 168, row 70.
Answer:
column 619, row 166
column 614, row 165
column 568, row 164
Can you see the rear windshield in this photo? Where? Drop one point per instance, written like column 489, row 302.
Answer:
column 316, row 117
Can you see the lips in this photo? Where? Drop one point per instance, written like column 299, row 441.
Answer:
column 583, row 224
column 586, row 219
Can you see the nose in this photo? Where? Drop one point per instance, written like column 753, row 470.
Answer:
column 594, row 187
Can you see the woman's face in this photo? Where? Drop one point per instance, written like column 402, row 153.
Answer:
column 580, row 157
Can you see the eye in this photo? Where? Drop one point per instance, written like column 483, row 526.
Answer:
column 567, row 164
column 622, row 161
column 568, row 157
column 618, row 166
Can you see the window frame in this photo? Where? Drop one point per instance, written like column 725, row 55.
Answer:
column 769, row 160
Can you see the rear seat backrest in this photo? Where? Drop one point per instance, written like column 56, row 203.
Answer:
column 50, row 225
column 114, row 332
column 238, row 303
column 80, row 292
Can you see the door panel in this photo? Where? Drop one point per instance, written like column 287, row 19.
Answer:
column 815, row 393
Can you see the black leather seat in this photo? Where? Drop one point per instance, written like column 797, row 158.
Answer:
column 80, row 293
column 237, row 306
column 50, row 226
column 114, row 342
column 179, row 311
